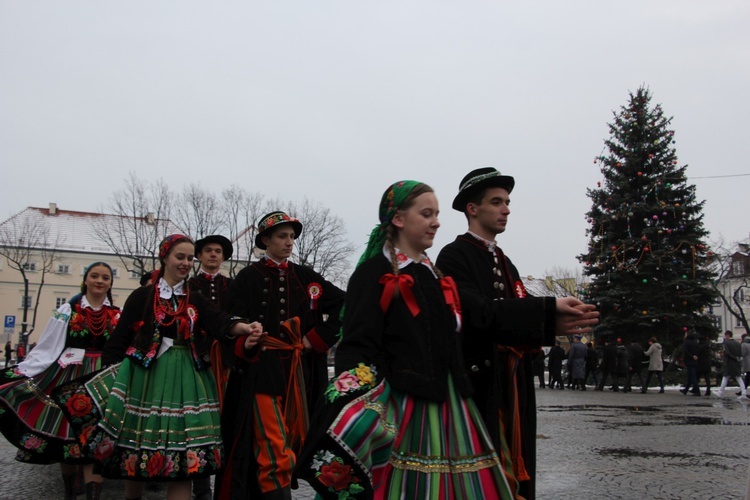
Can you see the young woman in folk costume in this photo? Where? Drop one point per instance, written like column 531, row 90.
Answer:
column 399, row 422
column 155, row 415
column 70, row 346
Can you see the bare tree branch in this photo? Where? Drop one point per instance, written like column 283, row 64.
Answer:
column 140, row 220
column 28, row 247
column 322, row 245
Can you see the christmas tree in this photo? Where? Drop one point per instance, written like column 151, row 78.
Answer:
column 647, row 252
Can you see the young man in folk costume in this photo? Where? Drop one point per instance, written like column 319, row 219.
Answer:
column 212, row 251
column 270, row 396
column 502, row 373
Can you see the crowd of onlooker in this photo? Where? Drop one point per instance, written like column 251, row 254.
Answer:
column 625, row 367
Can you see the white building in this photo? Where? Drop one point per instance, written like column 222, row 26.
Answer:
column 55, row 246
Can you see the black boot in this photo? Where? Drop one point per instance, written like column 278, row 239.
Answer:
column 80, row 482
column 282, row 494
column 93, row 490
column 69, row 482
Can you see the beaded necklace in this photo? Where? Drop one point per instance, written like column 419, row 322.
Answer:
column 166, row 311
column 96, row 321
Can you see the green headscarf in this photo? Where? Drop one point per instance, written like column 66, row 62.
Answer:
column 391, row 201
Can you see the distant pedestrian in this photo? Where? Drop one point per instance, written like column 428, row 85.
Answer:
column 592, row 362
column 577, row 363
column 635, row 366
column 690, row 349
column 608, row 367
column 539, row 367
column 8, row 353
column 554, row 364
column 623, row 365
column 732, row 365
column 705, row 361
column 20, row 353
column 655, row 364
column 745, row 346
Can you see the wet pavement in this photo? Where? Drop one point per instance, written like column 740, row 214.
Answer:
column 591, row 445
column 641, row 446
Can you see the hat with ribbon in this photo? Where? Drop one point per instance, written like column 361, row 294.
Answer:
column 226, row 245
column 476, row 181
column 271, row 221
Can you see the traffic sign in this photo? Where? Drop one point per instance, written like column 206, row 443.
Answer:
column 10, row 321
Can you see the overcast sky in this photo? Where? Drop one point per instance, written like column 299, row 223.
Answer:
column 335, row 100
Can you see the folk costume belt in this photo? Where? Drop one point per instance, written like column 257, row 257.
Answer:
column 295, row 402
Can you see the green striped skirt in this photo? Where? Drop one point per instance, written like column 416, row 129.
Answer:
column 156, row 424
column 412, row 449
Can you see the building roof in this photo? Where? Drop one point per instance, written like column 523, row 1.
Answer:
column 73, row 231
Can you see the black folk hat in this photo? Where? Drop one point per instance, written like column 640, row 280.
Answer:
column 476, row 181
column 271, row 221
column 226, row 245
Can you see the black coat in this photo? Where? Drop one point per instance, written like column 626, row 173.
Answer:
column 215, row 290
column 592, row 359
column 415, row 354
column 623, row 360
column 705, row 356
column 690, row 350
column 499, row 314
column 609, row 358
column 136, row 329
column 636, row 357
column 555, row 359
column 261, row 294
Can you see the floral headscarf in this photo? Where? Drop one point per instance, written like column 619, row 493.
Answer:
column 169, row 242
column 391, row 201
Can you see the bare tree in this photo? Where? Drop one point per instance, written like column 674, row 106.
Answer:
column 29, row 248
column 140, row 220
column 732, row 282
column 571, row 279
column 198, row 212
column 322, row 245
column 241, row 209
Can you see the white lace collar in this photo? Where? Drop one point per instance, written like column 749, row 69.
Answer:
column 85, row 303
column 166, row 291
column 404, row 260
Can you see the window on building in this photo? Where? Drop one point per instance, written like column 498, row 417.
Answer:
column 63, row 269
column 26, row 302
column 29, row 266
column 59, row 301
column 738, row 268
column 738, row 321
column 135, row 275
column 115, row 272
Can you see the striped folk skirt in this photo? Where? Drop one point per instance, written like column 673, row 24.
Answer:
column 155, row 424
column 414, row 449
column 33, row 422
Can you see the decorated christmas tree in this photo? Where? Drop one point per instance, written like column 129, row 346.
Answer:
column 647, row 251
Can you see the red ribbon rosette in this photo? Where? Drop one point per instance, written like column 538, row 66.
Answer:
column 314, row 291
column 404, row 283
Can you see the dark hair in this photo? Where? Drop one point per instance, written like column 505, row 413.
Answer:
column 111, row 274
column 652, row 339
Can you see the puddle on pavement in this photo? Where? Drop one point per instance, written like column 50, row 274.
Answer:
column 661, row 415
